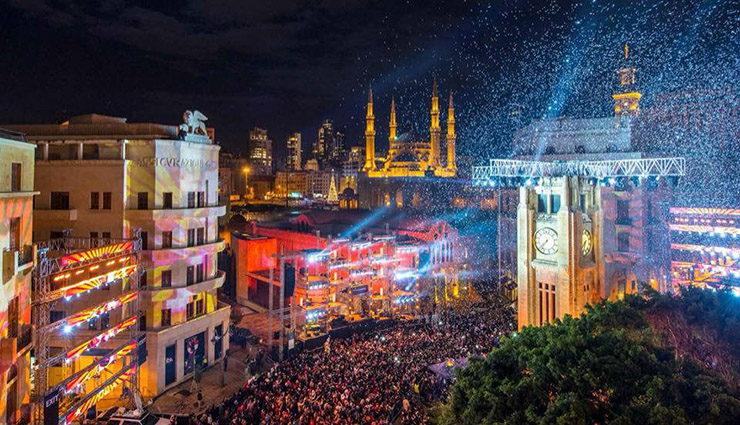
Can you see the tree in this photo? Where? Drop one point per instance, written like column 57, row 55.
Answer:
column 608, row 366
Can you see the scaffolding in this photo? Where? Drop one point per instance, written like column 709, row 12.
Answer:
column 70, row 267
column 644, row 167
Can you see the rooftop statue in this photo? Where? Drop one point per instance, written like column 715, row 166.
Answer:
column 194, row 122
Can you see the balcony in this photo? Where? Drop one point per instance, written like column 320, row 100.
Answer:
column 208, row 318
column 158, row 293
column 55, row 215
column 172, row 213
column 17, row 261
column 152, row 258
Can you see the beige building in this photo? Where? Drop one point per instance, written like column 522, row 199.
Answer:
column 16, row 264
column 103, row 177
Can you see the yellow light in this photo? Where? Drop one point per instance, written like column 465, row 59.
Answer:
column 246, row 170
column 95, row 267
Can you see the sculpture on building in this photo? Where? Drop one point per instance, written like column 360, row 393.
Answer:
column 194, row 122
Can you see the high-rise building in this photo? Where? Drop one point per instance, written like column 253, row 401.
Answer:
column 329, row 146
column 99, row 176
column 260, row 151
column 293, row 160
column 16, row 218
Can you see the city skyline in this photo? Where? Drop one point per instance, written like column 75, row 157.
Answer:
column 561, row 66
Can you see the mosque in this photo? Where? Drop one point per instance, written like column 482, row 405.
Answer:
column 404, row 176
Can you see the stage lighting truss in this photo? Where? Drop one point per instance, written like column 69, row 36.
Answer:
column 511, row 172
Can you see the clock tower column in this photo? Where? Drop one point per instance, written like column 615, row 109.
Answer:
column 556, row 267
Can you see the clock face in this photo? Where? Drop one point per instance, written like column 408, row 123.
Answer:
column 586, row 243
column 546, row 241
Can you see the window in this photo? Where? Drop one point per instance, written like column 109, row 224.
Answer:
column 106, row 200
column 583, row 202
column 190, row 312
column 191, row 237
column 142, row 323
column 144, row 240
column 106, row 235
column 550, row 150
column 166, row 317
column 56, row 235
column 554, row 203
column 623, row 242
column 15, row 177
column 166, row 239
column 93, row 235
column 201, row 199
column 104, row 320
column 190, row 275
column 623, row 211
column 166, row 278
column 59, row 201
column 191, row 199
column 200, row 306
column 167, row 200
column 542, row 203
column 201, row 235
column 143, row 282
column 143, row 200
column 92, row 324
column 14, row 233
column 94, row 200
column 200, row 272
column 580, row 149
column 546, row 294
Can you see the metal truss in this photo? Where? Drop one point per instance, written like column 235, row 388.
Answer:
column 645, row 167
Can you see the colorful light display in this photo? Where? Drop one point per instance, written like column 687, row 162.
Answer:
column 96, row 282
column 718, row 230
column 94, row 312
column 84, row 407
column 99, row 339
column 95, row 253
column 705, row 211
column 100, row 367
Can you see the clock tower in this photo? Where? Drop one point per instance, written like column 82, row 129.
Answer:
column 559, row 240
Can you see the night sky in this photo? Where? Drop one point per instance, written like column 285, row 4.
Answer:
column 286, row 65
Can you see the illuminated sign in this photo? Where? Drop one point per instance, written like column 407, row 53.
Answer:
column 95, row 253
column 177, row 163
column 105, row 336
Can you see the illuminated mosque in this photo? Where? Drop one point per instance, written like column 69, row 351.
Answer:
column 407, row 157
column 414, row 174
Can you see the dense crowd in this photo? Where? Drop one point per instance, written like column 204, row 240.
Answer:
column 368, row 379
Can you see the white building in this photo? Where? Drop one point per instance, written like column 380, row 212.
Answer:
column 101, row 176
column 16, row 263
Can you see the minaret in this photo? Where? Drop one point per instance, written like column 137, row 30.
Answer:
column 392, row 123
column 370, row 134
column 627, row 101
column 434, row 130
column 451, row 166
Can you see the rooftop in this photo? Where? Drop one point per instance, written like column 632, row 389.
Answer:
column 95, row 126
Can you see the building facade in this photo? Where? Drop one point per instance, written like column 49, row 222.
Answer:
column 260, row 151
column 705, row 248
column 293, row 161
column 17, row 262
column 100, row 176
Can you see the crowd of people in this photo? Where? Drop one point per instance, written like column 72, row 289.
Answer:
column 367, row 379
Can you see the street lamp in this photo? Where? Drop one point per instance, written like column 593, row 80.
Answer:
column 246, row 171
